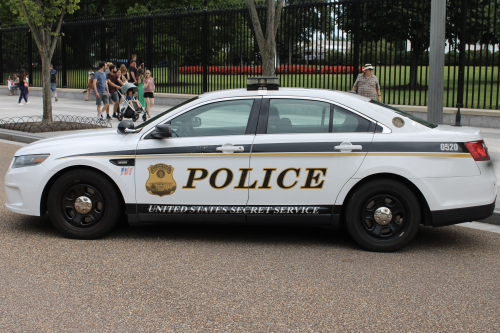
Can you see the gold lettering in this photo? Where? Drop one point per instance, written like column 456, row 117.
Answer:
column 282, row 175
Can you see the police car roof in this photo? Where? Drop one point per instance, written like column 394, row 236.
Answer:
column 348, row 99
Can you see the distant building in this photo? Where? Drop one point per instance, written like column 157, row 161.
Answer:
column 318, row 49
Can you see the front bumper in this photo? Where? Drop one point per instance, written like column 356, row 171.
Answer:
column 445, row 217
column 24, row 188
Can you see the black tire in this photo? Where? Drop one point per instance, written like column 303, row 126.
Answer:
column 105, row 208
column 135, row 117
column 402, row 225
column 144, row 117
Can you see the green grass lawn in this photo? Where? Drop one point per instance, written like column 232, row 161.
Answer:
column 481, row 89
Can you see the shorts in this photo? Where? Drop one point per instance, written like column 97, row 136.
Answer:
column 149, row 94
column 53, row 87
column 103, row 97
column 114, row 97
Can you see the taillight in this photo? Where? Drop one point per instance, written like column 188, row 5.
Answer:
column 478, row 150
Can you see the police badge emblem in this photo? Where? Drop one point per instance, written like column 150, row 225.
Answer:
column 161, row 180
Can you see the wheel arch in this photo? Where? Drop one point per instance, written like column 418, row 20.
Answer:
column 426, row 212
column 52, row 180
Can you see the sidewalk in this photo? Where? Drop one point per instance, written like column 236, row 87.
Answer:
column 65, row 106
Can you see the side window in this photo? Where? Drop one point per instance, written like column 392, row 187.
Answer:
column 216, row 119
column 344, row 121
column 298, row 116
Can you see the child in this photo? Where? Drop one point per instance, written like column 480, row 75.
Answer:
column 130, row 97
column 10, row 84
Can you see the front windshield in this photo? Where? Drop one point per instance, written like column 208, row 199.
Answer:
column 165, row 112
column 405, row 114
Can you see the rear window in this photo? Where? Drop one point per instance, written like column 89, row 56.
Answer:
column 405, row 114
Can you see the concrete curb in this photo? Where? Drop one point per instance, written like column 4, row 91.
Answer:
column 19, row 136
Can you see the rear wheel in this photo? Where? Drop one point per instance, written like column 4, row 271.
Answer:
column 83, row 204
column 135, row 117
column 144, row 117
column 383, row 215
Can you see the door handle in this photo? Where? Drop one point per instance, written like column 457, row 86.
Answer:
column 347, row 147
column 228, row 148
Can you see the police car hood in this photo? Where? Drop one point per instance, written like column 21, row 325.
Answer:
column 82, row 141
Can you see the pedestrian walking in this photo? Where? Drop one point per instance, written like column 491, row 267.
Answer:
column 149, row 88
column 133, row 71
column 91, row 72
column 113, row 85
column 53, row 81
column 140, row 87
column 22, row 87
column 90, row 85
column 124, row 75
column 367, row 84
column 101, row 90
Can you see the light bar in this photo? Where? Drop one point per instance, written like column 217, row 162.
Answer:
column 263, row 82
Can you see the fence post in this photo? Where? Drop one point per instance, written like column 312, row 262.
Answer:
column 461, row 62
column 436, row 61
column 1, row 55
column 357, row 22
column 64, row 62
column 103, row 38
column 149, row 42
column 204, row 49
column 30, row 56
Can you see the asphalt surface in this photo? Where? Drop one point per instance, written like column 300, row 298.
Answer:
column 241, row 279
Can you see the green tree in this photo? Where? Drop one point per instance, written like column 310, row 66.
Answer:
column 44, row 18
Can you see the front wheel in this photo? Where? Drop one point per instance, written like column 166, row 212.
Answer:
column 383, row 215
column 83, row 204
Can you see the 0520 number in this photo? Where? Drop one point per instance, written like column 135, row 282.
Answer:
column 449, row 147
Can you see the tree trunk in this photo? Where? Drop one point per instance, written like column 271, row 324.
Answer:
column 173, row 69
column 47, row 93
column 415, row 55
column 268, row 55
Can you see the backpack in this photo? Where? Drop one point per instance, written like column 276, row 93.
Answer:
column 52, row 77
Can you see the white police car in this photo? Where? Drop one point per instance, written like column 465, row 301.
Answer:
column 262, row 156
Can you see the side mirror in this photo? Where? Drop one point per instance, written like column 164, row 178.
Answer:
column 125, row 125
column 162, row 132
column 196, row 122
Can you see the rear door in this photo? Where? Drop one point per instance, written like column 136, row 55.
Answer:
column 305, row 150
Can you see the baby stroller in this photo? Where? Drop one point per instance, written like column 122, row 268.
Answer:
column 130, row 109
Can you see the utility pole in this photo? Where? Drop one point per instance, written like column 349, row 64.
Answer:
column 436, row 61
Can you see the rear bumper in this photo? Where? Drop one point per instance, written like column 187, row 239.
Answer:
column 445, row 217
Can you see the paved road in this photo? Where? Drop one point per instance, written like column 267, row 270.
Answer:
column 241, row 279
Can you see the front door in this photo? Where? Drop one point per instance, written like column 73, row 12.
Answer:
column 199, row 169
column 302, row 157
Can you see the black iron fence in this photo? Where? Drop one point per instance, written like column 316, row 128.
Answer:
column 319, row 45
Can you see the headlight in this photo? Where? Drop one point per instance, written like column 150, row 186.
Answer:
column 28, row 160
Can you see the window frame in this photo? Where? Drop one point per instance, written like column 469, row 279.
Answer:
column 264, row 114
